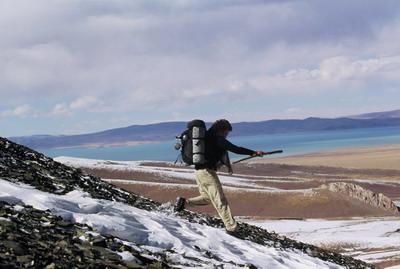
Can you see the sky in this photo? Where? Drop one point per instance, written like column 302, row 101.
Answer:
column 78, row 66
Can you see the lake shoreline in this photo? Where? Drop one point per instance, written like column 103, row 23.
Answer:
column 292, row 145
column 367, row 157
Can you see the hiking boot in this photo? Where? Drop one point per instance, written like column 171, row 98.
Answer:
column 180, row 204
column 234, row 233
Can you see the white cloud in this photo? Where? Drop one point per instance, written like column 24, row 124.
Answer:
column 123, row 23
column 20, row 111
column 163, row 49
column 337, row 73
column 84, row 103
column 36, row 70
column 61, row 109
column 342, row 68
column 129, row 56
column 293, row 110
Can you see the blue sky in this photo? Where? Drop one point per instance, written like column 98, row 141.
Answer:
column 71, row 66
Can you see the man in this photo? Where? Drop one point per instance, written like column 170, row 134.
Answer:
column 210, row 187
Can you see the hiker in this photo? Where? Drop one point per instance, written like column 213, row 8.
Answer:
column 216, row 147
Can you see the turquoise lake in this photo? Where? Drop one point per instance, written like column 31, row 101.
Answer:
column 292, row 144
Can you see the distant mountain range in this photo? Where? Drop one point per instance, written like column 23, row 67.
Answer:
column 168, row 130
column 378, row 115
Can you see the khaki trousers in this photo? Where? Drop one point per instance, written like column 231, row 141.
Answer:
column 210, row 189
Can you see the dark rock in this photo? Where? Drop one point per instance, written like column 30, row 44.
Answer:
column 99, row 242
column 14, row 247
column 38, row 246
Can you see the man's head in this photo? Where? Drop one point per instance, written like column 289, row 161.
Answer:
column 222, row 127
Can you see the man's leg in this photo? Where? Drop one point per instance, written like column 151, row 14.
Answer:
column 202, row 199
column 197, row 201
column 209, row 181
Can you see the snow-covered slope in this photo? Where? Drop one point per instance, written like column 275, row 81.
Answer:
column 181, row 240
column 369, row 239
column 189, row 243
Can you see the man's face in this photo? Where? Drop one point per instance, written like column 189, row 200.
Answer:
column 225, row 133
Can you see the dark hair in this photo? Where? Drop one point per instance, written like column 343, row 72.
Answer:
column 222, row 125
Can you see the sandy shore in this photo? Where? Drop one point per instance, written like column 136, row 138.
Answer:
column 382, row 157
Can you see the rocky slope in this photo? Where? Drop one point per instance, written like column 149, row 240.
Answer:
column 355, row 191
column 21, row 164
column 31, row 238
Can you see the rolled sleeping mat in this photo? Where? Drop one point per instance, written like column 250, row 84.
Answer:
column 198, row 132
column 198, row 146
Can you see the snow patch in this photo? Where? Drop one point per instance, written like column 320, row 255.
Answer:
column 359, row 237
column 4, row 219
column 127, row 256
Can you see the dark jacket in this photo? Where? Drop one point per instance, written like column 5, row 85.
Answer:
column 216, row 150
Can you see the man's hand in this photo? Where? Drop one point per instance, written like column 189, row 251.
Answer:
column 259, row 153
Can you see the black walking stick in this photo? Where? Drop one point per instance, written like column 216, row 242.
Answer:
column 264, row 153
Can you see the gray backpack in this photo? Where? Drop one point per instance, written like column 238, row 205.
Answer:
column 192, row 143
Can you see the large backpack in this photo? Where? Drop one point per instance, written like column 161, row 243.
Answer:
column 192, row 143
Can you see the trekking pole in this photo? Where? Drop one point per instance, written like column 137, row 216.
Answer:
column 264, row 153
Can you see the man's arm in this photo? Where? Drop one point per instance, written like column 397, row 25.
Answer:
column 225, row 144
